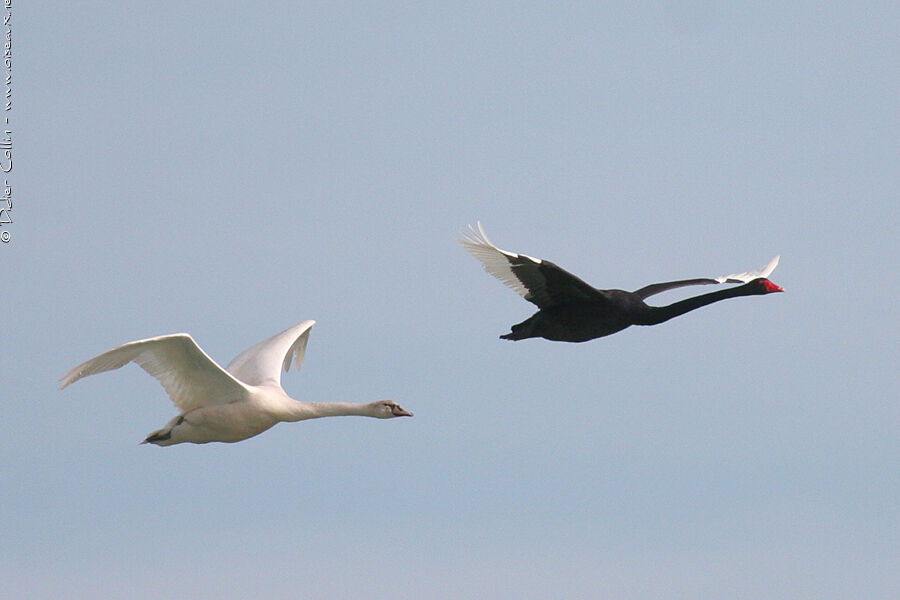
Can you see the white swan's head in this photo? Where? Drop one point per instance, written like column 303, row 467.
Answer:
column 388, row 409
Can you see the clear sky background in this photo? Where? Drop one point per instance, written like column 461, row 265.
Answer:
column 229, row 170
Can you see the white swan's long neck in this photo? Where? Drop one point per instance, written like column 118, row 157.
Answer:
column 299, row 411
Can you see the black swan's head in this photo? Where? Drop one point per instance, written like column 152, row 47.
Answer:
column 763, row 286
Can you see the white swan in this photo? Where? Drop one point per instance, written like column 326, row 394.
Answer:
column 226, row 405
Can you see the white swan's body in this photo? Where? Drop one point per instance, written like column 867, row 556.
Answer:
column 226, row 405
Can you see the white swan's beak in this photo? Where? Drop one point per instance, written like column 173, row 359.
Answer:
column 399, row 412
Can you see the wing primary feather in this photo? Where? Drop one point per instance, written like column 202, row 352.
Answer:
column 297, row 353
column 748, row 276
column 496, row 261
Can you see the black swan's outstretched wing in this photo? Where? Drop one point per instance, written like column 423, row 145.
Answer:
column 747, row 276
column 539, row 281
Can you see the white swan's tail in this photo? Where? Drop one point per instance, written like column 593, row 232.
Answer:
column 163, row 437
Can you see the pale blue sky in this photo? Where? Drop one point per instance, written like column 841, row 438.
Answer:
column 230, row 170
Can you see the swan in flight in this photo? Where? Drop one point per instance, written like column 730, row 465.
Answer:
column 571, row 310
column 231, row 404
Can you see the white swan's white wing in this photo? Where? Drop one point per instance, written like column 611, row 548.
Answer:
column 748, row 276
column 190, row 377
column 262, row 363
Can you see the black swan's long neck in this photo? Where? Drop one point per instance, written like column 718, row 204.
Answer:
column 660, row 314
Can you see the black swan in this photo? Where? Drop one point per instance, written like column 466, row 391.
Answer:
column 573, row 311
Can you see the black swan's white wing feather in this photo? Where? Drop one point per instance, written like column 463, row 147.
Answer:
column 749, row 276
column 538, row 281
